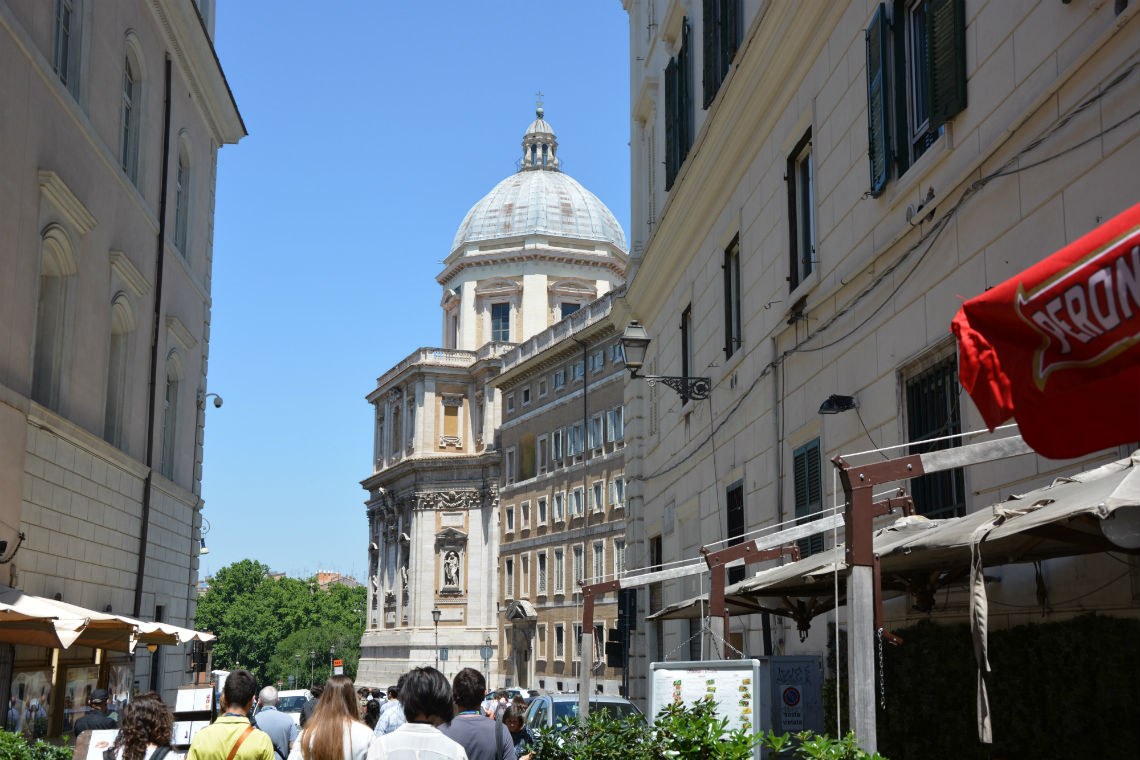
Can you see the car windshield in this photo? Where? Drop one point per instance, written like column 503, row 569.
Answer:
column 569, row 709
column 290, row 704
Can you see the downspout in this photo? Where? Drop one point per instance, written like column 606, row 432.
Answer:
column 148, row 485
column 586, row 664
column 777, row 418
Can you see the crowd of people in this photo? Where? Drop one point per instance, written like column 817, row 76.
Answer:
column 422, row 717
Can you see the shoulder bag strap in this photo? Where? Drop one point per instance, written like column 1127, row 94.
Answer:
column 248, row 730
column 499, row 752
column 159, row 753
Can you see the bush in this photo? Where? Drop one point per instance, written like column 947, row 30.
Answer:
column 16, row 747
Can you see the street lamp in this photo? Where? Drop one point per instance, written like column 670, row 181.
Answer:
column 360, row 614
column 296, row 666
column 312, row 664
column 634, row 344
column 332, row 654
column 435, row 613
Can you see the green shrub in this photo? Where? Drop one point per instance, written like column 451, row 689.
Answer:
column 16, row 747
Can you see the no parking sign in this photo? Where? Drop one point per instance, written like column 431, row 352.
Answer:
column 791, row 712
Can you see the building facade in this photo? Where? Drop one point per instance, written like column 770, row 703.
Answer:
column 108, row 251
column 561, row 497
column 816, row 187
column 536, row 248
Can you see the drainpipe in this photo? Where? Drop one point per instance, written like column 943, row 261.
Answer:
column 587, row 661
column 777, row 419
column 160, row 257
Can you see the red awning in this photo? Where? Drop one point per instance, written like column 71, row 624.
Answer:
column 1058, row 346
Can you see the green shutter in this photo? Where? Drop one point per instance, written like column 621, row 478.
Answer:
column 809, row 492
column 877, row 148
column 710, row 53
column 685, row 90
column 946, row 69
column 671, row 161
column 730, row 32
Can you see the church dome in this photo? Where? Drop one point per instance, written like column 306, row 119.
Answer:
column 539, row 199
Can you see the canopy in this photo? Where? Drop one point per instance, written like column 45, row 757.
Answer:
column 34, row 620
column 1058, row 345
column 1072, row 515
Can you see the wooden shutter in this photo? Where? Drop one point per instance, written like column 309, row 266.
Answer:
column 946, row 67
column 671, row 162
column 685, row 92
column 809, row 494
column 878, row 137
column 731, row 30
column 711, row 53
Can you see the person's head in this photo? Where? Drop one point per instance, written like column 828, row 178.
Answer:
column 315, row 690
column 336, row 707
column 376, row 693
column 237, row 696
column 98, row 700
column 362, row 692
column 146, row 720
column 372, row 713
column 393, row 692
column 268, row 696
column 513, row 718
column 469, row 688
column 425, row 695
column 502, row 694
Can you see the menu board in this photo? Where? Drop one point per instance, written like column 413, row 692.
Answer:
column 733, row 690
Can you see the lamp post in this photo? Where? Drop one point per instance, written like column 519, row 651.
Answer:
column 332, row 654
column 435, row 613
column 296, row 666
column 634, row 344
column 312, row 665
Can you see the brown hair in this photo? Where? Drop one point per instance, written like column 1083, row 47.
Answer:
column 323, row 738
column 146, row 720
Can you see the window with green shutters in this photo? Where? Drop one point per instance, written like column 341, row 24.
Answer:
column 678, row 108
column 721, row 32
column 932, row 412
column 916, row 80
column 809, row 493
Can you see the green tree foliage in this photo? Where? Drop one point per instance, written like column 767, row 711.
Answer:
column 262, row 623
column 16, row 747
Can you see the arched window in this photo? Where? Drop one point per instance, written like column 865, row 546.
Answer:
column 53, row 311
column 170, row 415
column 122, row 325
column 131, row 112
column 182, row 199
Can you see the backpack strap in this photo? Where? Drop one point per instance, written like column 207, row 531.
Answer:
column 159, row 753
column 248, row 730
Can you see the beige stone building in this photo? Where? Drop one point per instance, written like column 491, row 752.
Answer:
column 535, row 249
column 561, row 497
column 813, row 196
column 107, row 231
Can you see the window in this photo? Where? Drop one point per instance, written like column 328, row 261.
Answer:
column 556, row 446
column 577, row 565
column 541, row 573
column 509, row 465
column 801, row 211
column 122, row 324
column 560, row 507
column 577, row 370
column 510, row 402
column 694, row 640
column 686, row 344
column 574, row 443
column 619, row 556
column 182, row 201
column 617, row 354
column 526, row 456
column 170, row 417
column 721, row 35
column 543, row 453
column 65, row 48
column 501, row 322
column 678, row 108
column 524, row 576
column 577, row 640
column 58, row 269
column 932, row 411
column 509, row 514
column 569, row 308
column 615, row 424
column 617, row 491
column 809, row 493
column 128, row 147
column 524, row 510
column 596, row 437
column 558, row 379
column 559, row 640
column 559, row 572
column 542, row 640
column 597, row 495
column 509, row 578
column 541, row 388
column 732, row 335
column 597, row 361
column 525, row 396
column 734, row 519
column 916, row 80
column 576, row 502
column 541, row 504
column 599, row 561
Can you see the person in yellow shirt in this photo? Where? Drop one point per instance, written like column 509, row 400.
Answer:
column 231, row 737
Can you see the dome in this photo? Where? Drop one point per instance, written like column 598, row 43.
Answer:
column 539, row 199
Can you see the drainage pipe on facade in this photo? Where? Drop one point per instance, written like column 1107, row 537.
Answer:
column 586, row 663
column 160, row 257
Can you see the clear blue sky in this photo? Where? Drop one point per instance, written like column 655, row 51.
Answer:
column 373, row 127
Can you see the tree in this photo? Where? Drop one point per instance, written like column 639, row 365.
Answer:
column 262, row 623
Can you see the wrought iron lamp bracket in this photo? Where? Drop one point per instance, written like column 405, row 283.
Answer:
column 695, row 388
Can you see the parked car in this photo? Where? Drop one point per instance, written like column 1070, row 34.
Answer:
column 552, row 710
column 291, row 702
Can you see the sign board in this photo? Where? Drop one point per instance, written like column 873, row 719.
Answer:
column 338, row 667
column 783, row 694
column 486, row 652
column 443, row 654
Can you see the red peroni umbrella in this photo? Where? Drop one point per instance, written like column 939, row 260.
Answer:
column 1058, row 345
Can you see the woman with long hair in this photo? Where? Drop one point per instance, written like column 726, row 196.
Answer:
column 145, row 730
column 335, row 731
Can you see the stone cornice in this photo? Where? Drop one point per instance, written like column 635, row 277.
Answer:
column 66, row 203
column 425, row 462
column 184, row 337
column 129, row 273
column 529, row 253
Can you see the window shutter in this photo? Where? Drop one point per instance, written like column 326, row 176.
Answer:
column 877, row 150
column 671, row 125
column 710, row 52
column 946, row 69
column 727, row 267
column 731, row 32
column 685, row 90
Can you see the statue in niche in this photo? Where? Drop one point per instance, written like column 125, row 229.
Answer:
column 404, row 577
column 451, row 569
